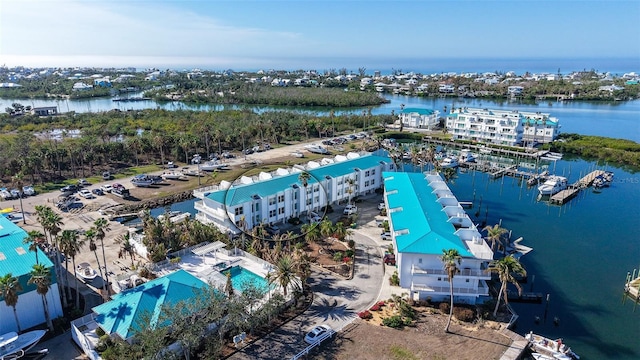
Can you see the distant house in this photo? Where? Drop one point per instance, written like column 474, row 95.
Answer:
column 102, row 82
column 515, row 90
column 45, row 111
column 419, row 118
column 17, row 260
column 446, row 88
column 611, row 88
column 80, row 86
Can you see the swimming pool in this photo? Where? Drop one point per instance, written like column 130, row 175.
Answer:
column 241, row 276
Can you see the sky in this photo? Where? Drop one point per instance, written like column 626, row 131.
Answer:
column 297, row 34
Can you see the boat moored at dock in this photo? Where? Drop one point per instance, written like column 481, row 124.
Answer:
column 553, row 348
column 553, row 185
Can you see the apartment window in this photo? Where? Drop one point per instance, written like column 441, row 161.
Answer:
column 281, row 210
column 439, row 279
column 366, row 173
column 467, row 280
column 280, row 198
column 295, row 196
column 308, row 201
column 373, row 182
column 316, row 189
column 272, row 213
column 366, row 183
column 295, row 206
column 272, row 201
column 257, row 206
column 420, row 261
column 239, row 211
column 317, row 199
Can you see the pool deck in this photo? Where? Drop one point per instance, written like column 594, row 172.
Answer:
column 206, row 267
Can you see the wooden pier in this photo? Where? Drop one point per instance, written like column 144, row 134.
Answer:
column 573, row 189
column 531, row 153
column 526, row 297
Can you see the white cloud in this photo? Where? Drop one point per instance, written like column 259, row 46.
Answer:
column 91, row 28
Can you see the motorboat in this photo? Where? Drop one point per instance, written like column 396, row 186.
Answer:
column 14, row 346
column 448, row 162
column 554, row 349
column 553, row 185
column 192, row 172
column 85, row 272
column 316, row 149
column 141, row 181
column 466, row 156
column 297, row 154
column 173, row 175
column 212, row 166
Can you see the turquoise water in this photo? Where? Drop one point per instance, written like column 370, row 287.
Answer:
column 240, row 277
column 582, row 252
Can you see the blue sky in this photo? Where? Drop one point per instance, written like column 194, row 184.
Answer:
column 243, row 34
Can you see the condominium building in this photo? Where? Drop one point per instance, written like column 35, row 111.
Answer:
column 17, row 260
column 503, row 127
column 271, row 198
column 419, row 118
column 425, row 218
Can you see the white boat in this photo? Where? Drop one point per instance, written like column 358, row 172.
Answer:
column 85, row 272
column 448, row 162
column 212, row 166
column 466, row 156
column 14, row 346
column 297, row 154
column 485, row 150
column 173, row 175
column 316, row 149
column 141, row 181
column 553, row 185
column 192, row 172
column 554, row 349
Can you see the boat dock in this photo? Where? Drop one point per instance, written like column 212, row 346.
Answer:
column 632, row 288
column 573, row 189
column 493, row 150
column 526, row 297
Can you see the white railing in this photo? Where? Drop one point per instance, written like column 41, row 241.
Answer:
column 463, row 272
column 445, row 289
column 321, row 338
column 238, row 252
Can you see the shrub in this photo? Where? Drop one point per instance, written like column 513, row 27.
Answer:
column 381, row 303
column 337, row 256
column 464, row 314
column 365, row 315
column 394, row 279
column 375, row 307
column 349, row 253
column 99, row 332
column 444, row 307
column 352, row 244
column 393, row 322
column 346, row 259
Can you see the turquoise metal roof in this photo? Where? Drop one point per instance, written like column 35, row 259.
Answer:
column 236, row 195
column 418, row 110
column 123, row 314
column 15, row 257
column 421, row 216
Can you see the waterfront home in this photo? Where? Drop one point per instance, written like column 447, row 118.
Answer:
column 79, row 86
column 17, row 260
column 425, row 218
column 276, row 198
column 515, row 90
column 503, row 127
column 45, row 111
column 419, row 118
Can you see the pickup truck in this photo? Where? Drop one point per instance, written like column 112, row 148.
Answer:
column 350, row 210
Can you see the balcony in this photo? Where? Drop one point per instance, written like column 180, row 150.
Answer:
column 481, row 290
column 417, row 270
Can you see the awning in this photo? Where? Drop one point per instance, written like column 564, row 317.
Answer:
column 205, row 249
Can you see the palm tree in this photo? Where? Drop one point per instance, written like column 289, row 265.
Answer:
column 34, row 238
column 340, row 231
column 350, row 182
column 494, row 233
column 52, row 223
column 41, row 277
column 311, row 232
column 70, row 245
column 126, row 247
column 90, row 237
column 17, row 181
column 304, row 179
column 326, row 228
column 401, row 122
column 451, row 259
column 505, row 268
column 284, row 274
column 101, row 226
column 9, row 289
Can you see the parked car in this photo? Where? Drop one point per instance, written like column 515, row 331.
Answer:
column 28, row 190
column 389, row 259
column 15, row 193
column 314, row 335
column 313, row 217
column 350, row 210
column 83, row 182
column 69, row 189
column 97, row 191
column 381, row 206
column 86, row 193
column 386, row 235
column 4, row 194
column 380, row 222
column 106, row 188
column 272, row 229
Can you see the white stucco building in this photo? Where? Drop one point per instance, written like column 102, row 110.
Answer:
column 17, row 260
column 272, row 198
column 419, row 118
column 502, row 127
column 425, row 219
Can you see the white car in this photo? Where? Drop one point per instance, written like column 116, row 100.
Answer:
column 350, row 210
column 385, row 235
column 86, row 193
column 106, row 188
column 314, row 335
column 314, row 218
column 28, row 190
column 381, row 206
